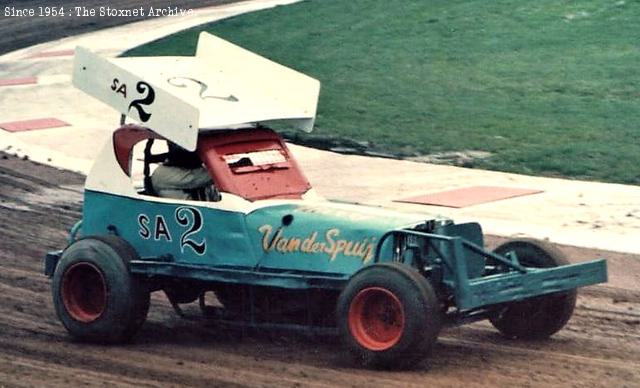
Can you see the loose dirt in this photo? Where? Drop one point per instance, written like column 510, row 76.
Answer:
column 599, row 347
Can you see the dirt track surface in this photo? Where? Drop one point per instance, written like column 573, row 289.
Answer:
column 20, row 32
column 599, row 347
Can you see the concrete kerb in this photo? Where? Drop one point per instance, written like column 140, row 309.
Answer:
column 587, row 214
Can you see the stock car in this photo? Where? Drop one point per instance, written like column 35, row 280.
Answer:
column 272, row 250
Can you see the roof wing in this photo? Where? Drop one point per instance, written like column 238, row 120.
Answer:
column 223, row 86
column 131, row 95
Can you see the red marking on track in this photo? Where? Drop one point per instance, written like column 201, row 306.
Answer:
column 48, row 54
column 30, row 125
column 18, row 81
column 469, row 196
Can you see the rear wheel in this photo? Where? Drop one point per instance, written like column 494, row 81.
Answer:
column 538, row 317
column 95, row 296
column 388, row 316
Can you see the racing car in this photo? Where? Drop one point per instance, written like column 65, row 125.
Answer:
column 272, row 251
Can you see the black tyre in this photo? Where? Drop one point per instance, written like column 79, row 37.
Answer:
column 388, row 316
column 94, row 295
column 538, row 317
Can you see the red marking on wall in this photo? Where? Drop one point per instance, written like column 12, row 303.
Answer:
column 18, row 81
column 469, row 196
column 48, row 54
column 30, row 125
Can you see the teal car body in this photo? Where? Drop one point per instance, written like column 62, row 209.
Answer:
column 325, row 238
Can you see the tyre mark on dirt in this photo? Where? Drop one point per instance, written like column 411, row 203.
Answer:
column 16, row 371
column 583, row 339
column 534, row 354
column 182, row 371
column 24, row 278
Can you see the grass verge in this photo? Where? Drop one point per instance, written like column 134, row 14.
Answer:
column 546, row 87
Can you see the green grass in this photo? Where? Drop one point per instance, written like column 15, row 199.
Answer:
column 548, row 87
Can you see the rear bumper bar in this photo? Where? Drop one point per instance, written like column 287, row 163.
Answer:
column 517, row 283
column 513, row 286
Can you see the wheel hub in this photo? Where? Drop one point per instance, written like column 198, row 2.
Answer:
column 84, row 292
column 376, row 318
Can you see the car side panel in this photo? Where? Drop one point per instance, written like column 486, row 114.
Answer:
column 314, row 239
column 181, row 231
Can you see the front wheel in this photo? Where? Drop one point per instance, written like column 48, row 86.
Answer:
column 388, row 316
column 95, row 296
column 541, row 316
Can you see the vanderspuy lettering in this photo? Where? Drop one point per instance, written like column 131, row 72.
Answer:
column 332, row 245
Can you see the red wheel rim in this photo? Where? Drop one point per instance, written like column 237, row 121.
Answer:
column 376, row 318
column 84, row 292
